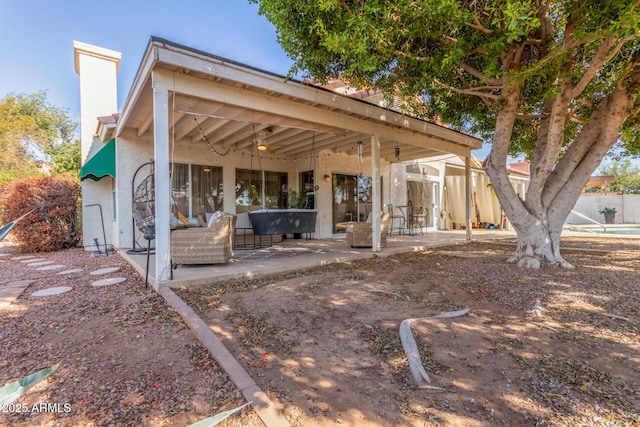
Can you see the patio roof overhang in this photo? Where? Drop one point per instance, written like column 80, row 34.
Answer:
column 183, row 95
column 225, row 104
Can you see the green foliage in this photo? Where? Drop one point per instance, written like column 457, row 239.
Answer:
column 447, row 50
column 53, row 225
column 593, row 189
column 297, row 201
column 32, row 131
column 626, row 176
column 65, row 157
column 608, row 211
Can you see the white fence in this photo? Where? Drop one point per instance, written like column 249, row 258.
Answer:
column 590, row 204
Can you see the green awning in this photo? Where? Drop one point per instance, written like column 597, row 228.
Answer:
column 102, row 164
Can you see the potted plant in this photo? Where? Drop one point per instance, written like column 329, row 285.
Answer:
column 297, row 201
column 609, row 215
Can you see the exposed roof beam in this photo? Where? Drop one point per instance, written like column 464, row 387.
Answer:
column 145, row 125
column 268, row 82
column 304, row 142
column 260, row 102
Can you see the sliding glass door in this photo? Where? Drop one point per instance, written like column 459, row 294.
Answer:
column 351, row 198
column 423, row 195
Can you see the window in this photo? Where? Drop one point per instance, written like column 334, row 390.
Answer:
column 257, row 189
column 196, row 189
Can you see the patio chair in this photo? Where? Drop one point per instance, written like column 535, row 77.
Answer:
column 207, row 245
column 359, row 234
column 397, row 220
column 420, row 219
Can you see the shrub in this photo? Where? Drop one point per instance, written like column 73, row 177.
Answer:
column 53, row 224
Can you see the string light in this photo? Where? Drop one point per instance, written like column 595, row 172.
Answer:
column 211, row 147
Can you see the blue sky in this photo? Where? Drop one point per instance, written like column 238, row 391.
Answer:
column 36, row 40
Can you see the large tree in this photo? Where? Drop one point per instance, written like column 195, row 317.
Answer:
column 557, row 80
column 33, row 131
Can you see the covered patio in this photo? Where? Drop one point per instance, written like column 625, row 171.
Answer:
column 191, row 108
column 295, row 255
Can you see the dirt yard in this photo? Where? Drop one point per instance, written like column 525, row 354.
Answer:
column 324, row 343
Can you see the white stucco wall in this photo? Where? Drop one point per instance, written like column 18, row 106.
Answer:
column 97, row 68
column 97, row 192
column 132, row 151
column 631, row 208
column 590, row 205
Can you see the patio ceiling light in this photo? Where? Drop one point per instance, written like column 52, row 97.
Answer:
column 262, row 147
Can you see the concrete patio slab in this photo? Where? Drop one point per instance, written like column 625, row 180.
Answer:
column 293, row 255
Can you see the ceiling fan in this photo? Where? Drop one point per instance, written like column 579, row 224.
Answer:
column 261, row 140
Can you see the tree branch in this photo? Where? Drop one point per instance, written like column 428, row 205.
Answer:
column 346, row 6
column 523, row 116
column 480, row 75
column 476, row 91
column 417, row 58
column 597, row 137
column 478, row 26
column 607, row 50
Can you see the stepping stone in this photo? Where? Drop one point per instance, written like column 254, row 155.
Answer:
column 106, row 270
column 23, row 257
column 75, row 270
column 50, row 267
column 52, row 291
column 109, row 281
column 39, row 263
column 26, row 261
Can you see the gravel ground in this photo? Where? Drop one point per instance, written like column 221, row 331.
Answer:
column 126, row 358
column 323, row 343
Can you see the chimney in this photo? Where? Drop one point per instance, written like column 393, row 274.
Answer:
column 97, row 68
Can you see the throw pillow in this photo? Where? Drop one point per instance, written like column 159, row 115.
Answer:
column 213, row 218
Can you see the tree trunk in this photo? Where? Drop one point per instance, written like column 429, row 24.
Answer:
column 539, row 243
column 556, row 180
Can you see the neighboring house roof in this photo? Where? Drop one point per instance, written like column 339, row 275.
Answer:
column 107, row 126
column 519, row 168
column 601, row 181
column 225, row 105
